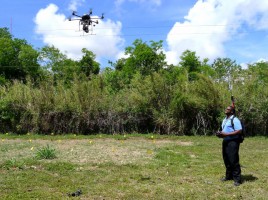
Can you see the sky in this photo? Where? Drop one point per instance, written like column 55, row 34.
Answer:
column 236, row 29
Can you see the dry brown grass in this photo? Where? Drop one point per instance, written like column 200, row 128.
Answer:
column 99, row 150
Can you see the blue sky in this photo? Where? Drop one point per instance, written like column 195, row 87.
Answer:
column 212, row 28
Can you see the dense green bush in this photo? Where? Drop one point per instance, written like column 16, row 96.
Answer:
column 140, row 93
column 152, row 103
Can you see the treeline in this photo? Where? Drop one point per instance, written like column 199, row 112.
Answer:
column 43, row 91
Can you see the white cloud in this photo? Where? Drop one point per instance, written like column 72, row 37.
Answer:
column 211, row 23
column 56, row 30
column 75, row 3
column 121, row 54
column 246, row 65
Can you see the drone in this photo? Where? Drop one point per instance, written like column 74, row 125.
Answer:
column 86, row 20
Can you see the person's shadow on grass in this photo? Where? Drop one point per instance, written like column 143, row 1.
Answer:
column 248, row 178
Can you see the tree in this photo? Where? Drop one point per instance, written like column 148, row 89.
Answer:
column 193, row 65
column 145, row 58
column 18, row 59
column 190, row 61
column 260, row 70
column 51, row 58
column 4, row 33
column 62, row 68
column 88, row 65
column 225, row 69
column 28, row 58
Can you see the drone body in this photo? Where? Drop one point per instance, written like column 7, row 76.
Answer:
column 86, row 20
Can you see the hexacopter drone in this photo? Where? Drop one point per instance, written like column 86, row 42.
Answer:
column 86, row 20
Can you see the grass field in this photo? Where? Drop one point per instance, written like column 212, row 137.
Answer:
column 128, row 167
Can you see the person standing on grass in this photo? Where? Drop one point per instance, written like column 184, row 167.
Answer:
column 230, row 146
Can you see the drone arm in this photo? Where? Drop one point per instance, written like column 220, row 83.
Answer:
column 76, row 15
column 96, row 22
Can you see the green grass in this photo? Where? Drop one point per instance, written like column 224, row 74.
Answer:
column 128, row 167
column 46, row 152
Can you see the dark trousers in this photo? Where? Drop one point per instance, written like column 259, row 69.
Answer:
column 230, row 154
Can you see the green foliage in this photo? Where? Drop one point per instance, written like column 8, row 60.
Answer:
column 51, row 58
column 18, row 59
column 193, row 65
column 165, row 102
column 4, row 33
column 88, row 65
column 143, row 58
column 259, row 71
column 226, row 70
column 46, row 152
column 141, row 93
column 65, row 69
column 190, row 61
column 9, row 116
column 2, row 80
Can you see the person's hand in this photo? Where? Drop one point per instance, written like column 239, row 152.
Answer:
column 218, row 134
column 223, row 134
